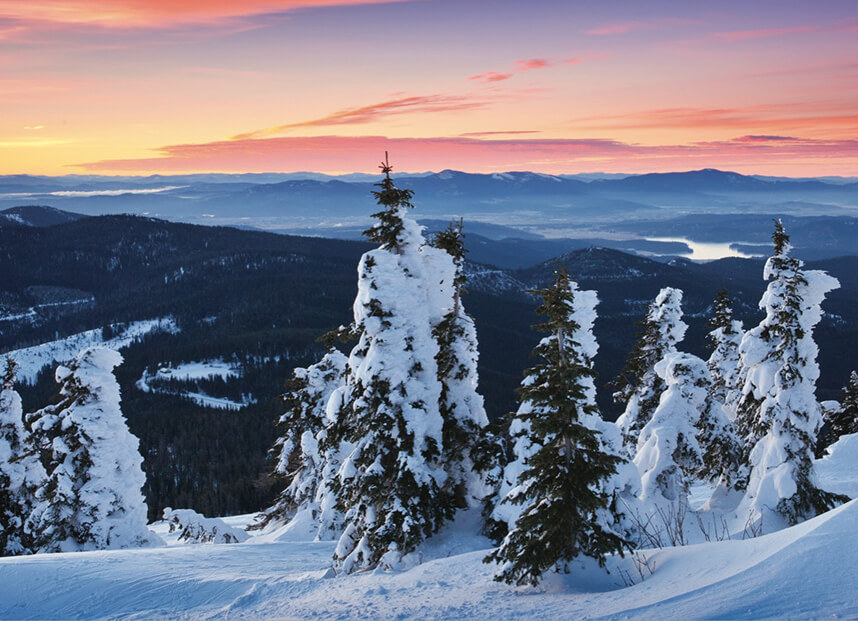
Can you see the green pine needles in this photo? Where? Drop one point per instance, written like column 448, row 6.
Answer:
column 387, row 231
column 562, row 487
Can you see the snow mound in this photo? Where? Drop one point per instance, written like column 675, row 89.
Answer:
column 838, row 470
column 808, row 571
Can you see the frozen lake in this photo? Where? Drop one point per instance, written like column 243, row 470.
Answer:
column 705, row 251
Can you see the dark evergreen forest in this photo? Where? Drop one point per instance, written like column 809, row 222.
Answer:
column 262, row 300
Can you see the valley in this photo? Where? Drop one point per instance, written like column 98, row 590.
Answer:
column 259, row 301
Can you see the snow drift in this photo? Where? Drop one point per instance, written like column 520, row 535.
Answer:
column 804, row 572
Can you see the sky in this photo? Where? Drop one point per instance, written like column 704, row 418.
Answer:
column 178, row 86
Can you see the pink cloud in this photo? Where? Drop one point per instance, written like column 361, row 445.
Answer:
column 366, row 114
column 529, row 65
column 343, row 154
column 745, row 35
column 491, row 76
column 155, row 13
column 532, row 63
column 772, row 117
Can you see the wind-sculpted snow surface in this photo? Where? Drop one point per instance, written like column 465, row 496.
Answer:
column 809, row 571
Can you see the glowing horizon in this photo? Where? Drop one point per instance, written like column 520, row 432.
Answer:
column 151, row 86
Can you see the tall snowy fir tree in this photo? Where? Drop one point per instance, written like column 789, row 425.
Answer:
column 392, row 486
column 724, row 365
column 21, row 472
column 301, row 451
column 639, row 386
column 565, row 488
column 778, row 415
column 462, row 407
column 844, row 420
column 92, row 496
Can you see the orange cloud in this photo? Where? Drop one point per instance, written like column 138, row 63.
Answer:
column 345, row 154
column 149, row 13
column 365, row 114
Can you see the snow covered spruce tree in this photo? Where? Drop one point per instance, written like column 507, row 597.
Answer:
column 720, row 448
column 688, row 435
column 393, row 485
column 301, row 452
column 461, row 406
column 778, row 415
column 21, row 472
column 567, row 472
column 724, row 366
column 92, row 496
column 844, row 420
column 639, row 386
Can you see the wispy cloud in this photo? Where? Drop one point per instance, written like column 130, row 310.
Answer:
column 532, row 63
column 529, row 64
column 490, row 76
column 374, row 112
column 776, row 117
column 156, row 13
column 343, row 154
column 745, row 35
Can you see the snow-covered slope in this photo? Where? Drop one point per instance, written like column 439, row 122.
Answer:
column 32, row 359
column 807, row 571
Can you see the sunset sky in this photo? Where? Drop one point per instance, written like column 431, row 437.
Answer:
column 170, row 86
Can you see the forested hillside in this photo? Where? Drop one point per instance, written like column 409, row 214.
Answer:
column 259, row 301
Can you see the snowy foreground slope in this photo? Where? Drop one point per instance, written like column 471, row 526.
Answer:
column 808, row 571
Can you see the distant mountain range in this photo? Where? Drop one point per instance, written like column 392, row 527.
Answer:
column 533, row 201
